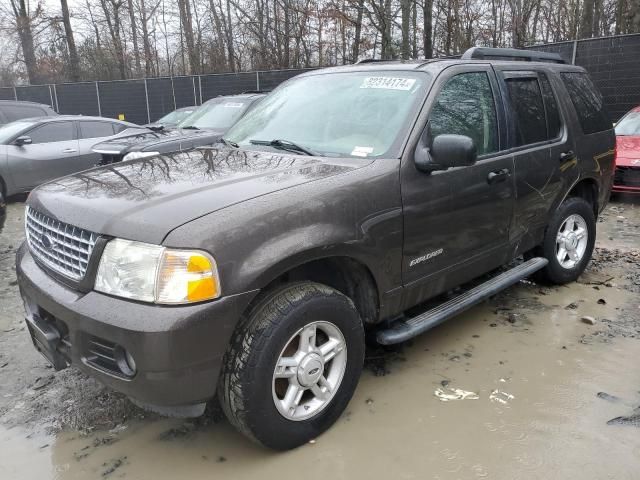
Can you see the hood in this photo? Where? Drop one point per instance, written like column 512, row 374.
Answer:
column 628, row 150
column 164, row 140
column 145, row 199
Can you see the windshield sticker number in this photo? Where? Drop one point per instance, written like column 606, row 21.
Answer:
column 233, row 105
column 389, row 83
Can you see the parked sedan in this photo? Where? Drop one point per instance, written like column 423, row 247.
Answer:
column 11, row 110
column 627, row 174
column 204, row 126
column 35, row 150
column 174, row 118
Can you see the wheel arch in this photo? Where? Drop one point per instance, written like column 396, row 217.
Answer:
column 588, row 189
column 347, row 274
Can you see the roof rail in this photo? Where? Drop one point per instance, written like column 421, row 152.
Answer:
column 486, row 53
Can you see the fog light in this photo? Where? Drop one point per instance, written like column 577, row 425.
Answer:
column 125, row 361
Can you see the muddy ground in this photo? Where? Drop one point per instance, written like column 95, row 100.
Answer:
column 520, row 387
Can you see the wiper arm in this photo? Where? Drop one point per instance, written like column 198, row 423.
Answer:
column 190, row 127
column 285, row 145
column 229, row 143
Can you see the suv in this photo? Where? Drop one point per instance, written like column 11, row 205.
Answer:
column 204, row 126
column 10, row 110
column 345, row 199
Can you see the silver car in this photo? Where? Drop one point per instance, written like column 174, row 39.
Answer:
column 35, row 150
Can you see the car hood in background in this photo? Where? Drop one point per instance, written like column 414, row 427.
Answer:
column 628, row 150
column 163, row 140
column 147, row 198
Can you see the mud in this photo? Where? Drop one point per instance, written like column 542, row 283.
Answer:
column 531, row 392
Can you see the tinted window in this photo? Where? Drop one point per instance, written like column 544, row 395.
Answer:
column 119, row 127
column 551, row 106
column 528, row 108
column 95, row 129
column 587, row 101
column 465, row 106
column 52, row 132
column 17, row 112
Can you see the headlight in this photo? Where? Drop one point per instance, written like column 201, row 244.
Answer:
column 151, row 273
column 138, row 155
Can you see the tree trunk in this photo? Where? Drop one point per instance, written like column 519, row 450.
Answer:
column 74, row 62
column 134, row 37
column 586, row 20
column 405, row 7
column 23, row 24
column 356, row 40
column 427, row 13
column 187, row 26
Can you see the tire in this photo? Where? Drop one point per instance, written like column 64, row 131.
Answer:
column 557, row 272
column 255, row 402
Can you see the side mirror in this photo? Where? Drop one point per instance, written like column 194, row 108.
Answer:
column 447, row 151
column 23, row 140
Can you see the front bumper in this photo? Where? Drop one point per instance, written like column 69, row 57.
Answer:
column 177, row 350
column 626, row 179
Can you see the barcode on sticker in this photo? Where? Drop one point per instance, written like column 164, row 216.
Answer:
column 390, row 83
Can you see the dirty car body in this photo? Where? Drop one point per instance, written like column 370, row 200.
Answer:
column 356, row 215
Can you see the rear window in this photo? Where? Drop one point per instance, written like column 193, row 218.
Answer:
column 91, row 129
column 527, row 104
column 587, row 101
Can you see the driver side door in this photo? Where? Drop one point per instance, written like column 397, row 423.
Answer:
column 53, row 150
column 456, row 221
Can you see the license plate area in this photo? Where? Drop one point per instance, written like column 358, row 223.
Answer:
column 47, row 340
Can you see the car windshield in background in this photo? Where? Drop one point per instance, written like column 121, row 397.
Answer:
column 175, row 117
column 10, row 130
column 629, row 125
column 359, row 114
column 217, row 114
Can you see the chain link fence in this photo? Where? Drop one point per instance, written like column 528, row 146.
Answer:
column 611, row 61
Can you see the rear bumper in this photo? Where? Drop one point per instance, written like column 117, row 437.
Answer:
column 626, row 179
column 177, row 351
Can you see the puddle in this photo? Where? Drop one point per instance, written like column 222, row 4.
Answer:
column 547, row 384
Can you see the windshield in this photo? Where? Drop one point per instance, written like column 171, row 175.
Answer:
column 175, row 117
column 10, row 130
column 217, row 114
column 629, row 125
column 361, row 114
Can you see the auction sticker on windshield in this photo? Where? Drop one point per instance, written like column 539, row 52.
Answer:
column 390, row 83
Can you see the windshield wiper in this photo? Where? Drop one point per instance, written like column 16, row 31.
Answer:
column 229, row 143
column 285, row 145
column 190, row 127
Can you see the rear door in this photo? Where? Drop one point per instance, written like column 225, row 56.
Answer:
column 92, row 132
column 53, row 153
column 543, row 146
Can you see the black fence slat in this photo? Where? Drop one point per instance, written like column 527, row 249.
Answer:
column 7, row 93
column 124, row 100
column 270, row 80
column 184, row 92
column 35, row 93
column 227, row 84
column 77, row 99
column 160, row 97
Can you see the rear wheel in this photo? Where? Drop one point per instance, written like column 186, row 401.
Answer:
column 568, row 241
column 293, row 365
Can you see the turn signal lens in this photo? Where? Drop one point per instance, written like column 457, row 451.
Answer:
column 186, row 277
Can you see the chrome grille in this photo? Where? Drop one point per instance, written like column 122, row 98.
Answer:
column 59, row 246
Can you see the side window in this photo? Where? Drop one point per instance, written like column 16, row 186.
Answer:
column 17, row 112
column 587, row 102
column 528, row 108
column 90, row 129
column 52, row 132
column 554, row 124
column 118, row 127
column 465, row 106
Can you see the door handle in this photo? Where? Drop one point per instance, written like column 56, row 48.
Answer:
column 498, row 176
column 568, row 155
column 69, row 150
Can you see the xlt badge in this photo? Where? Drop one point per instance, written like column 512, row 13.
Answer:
column 426, row 257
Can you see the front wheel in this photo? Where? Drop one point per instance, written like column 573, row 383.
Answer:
column 293, row 365
column 568, row 242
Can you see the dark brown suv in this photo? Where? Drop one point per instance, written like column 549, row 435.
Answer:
column 347, row 197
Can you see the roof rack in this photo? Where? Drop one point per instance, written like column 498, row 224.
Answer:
column 370, row 60
column 486, row 53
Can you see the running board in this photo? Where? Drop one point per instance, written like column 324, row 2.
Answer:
column 405, row 329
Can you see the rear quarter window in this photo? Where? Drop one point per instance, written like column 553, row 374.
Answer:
column 587, row 101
